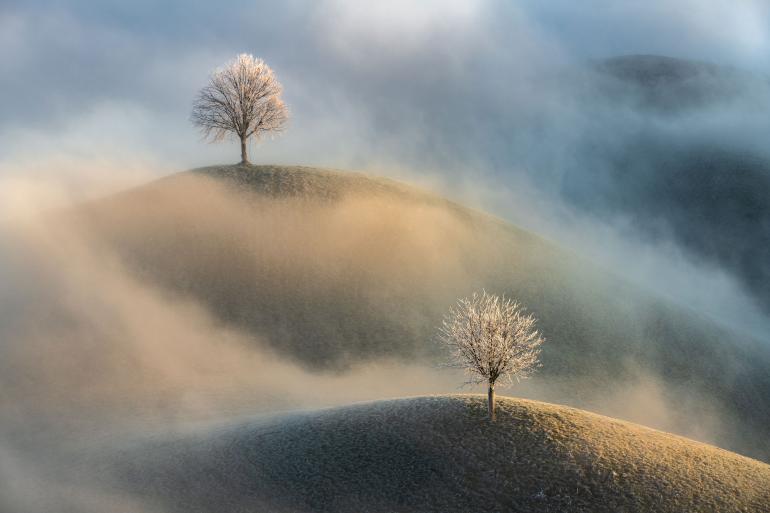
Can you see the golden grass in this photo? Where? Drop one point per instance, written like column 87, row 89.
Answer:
column 441, row 454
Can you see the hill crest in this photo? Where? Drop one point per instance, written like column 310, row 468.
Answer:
column 439, row 453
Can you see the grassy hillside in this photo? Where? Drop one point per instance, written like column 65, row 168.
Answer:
column 332, row 268
column 441, row 454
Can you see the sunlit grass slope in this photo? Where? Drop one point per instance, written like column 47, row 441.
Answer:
column 441, row 454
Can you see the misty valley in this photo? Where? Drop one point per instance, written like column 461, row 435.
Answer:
column 475, row 256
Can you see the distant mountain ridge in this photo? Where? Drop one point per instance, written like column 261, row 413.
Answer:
column 672, row 85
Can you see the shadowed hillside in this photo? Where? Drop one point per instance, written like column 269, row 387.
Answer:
column 441, row 454
column 671, row 85
column 332, row 268
column 685, row 160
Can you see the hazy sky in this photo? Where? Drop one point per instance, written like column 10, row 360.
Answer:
column 97, row 95
column 111, row 82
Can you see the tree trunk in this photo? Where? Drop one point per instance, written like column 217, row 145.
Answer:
column 491, row 401
column 244, row 157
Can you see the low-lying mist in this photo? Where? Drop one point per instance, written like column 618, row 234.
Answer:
column 190, row 300
column 91, row 350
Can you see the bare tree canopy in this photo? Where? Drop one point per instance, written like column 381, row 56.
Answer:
column 493, row 339
column 242, row 99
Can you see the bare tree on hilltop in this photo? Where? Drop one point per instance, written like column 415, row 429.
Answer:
column 242, row 99
column 493, row 339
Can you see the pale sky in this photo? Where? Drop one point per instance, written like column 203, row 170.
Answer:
column 111, row 82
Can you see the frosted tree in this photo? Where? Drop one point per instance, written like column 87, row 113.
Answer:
column 493, row 339
column 242, row 99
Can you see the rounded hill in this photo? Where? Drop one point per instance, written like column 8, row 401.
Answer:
column 332, row 269
column 442, row 454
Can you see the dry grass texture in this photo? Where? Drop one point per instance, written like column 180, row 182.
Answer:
column 441, row 454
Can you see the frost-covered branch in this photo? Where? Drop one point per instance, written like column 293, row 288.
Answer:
column 243, row 99
column 493, row 339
